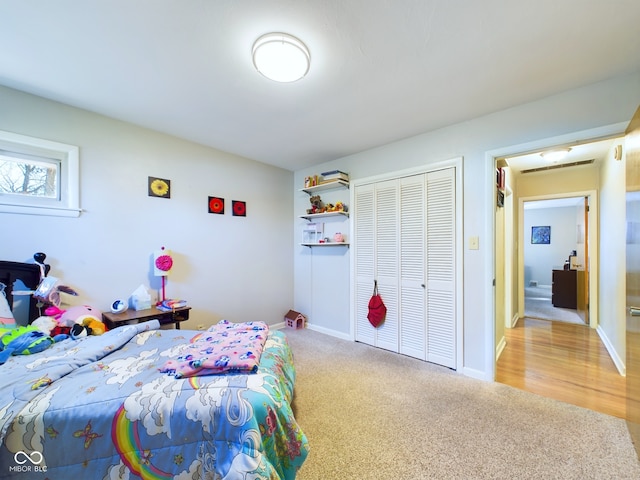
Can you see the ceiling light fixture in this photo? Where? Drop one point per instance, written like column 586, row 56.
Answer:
column 556, row 155
column 281, row 57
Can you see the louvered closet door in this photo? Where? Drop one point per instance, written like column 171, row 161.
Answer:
column 404, row 236
column 441, row 268
column 413, row 328
column 363, row 243
column 386, row 260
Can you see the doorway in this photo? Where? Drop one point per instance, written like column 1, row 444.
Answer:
column 534, row 181
column 556, row 259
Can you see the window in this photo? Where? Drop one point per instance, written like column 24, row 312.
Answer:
column 38, row 177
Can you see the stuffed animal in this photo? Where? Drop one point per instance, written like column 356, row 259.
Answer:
column 84, row 316
column 94, row 326
column 6, row 317
column 77, row 314
column 24, row 341
column 45, row 324
column 316, row 205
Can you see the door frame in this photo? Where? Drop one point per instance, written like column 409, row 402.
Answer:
column 491, row 157
column 591, row 253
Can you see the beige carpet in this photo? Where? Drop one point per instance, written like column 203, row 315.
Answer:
column 372, row 415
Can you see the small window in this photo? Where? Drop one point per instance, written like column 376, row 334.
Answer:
column 38, row 177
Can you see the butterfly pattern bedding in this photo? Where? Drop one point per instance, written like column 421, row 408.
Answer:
column 99, row 407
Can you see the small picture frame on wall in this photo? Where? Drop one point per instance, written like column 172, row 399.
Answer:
column 239, row 208
column 159, row 187
column 216, row 205
column 541, row 235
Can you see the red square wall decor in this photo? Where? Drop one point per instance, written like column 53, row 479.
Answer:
column 216, row 205
column 239, row 208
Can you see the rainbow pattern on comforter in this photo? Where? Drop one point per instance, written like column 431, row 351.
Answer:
column 99, row 408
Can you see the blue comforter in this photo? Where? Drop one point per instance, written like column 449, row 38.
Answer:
column 98, row 407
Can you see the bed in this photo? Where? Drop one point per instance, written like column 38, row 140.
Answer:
column 102, row 407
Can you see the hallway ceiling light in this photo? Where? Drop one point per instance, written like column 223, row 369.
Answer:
column 556, row 155
column 281, row 57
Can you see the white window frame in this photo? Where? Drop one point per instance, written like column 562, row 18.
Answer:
column 67, row 203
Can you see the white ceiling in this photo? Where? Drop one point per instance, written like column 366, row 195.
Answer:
column 382, row 70
column 596, row 150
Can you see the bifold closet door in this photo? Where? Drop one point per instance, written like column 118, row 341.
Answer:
column 413, row 326
column 404, row 237
column 441, row 267
column 363, row 248
column 376, row 258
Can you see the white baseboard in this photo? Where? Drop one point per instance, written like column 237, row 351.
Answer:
column 469, row 372
column 617, row 360
column 328, row 331
column 477, row 374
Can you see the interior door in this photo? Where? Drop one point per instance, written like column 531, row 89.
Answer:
column 632, row 149
column 582, row 303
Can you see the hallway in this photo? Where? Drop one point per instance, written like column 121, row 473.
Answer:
column 563, row 361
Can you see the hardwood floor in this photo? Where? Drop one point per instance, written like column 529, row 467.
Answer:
column 563, row 361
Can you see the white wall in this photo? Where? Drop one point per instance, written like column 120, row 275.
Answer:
column 239, row 268
column 601, row 104
column 541, row 259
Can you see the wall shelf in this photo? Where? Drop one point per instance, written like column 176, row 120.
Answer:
column 326, row 244
column 326, row 186
column 314, row 216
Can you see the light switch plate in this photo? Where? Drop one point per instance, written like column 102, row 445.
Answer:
column 474, row 243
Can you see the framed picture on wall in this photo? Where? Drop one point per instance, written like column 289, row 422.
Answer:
column 541, row 235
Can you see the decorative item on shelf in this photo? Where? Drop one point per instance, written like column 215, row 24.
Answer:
column 317, row 206
column 500, row 178
column 312, row 233
column 162, row 265
column 310, row 181
column 338, row 237
column 333, row 176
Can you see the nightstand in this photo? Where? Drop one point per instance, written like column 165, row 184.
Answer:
column 113, row 320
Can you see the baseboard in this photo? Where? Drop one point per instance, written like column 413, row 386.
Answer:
column 477, row 374
column 328, row 331
column 618, row 362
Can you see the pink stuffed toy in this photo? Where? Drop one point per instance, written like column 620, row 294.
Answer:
column 78, row 314
column 74, row 315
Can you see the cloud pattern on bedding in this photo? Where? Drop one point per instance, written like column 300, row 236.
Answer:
column 116, row 416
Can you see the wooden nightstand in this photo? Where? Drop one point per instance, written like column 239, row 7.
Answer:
column 113, row 320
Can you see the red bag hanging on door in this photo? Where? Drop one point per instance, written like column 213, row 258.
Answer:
column 377, row 308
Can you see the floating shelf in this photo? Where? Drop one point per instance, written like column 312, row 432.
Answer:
column 326, row 244
column 326, row 186
column 311, row 216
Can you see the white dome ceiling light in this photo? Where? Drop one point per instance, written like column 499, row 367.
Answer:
column 281, row 57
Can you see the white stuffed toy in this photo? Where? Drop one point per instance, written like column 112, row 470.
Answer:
column 6, row 316
column 45, row 324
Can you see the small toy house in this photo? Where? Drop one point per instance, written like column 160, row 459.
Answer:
column 294, row 319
